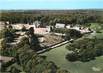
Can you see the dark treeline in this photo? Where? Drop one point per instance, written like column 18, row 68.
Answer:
column 50, row 17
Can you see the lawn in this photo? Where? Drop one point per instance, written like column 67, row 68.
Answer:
column 99, row 31
column 95, row 26
column 57, row 55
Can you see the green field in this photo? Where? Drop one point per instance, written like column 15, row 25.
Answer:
column 97, row 27
column 57, row 55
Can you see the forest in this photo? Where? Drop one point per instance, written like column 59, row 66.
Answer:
column 50, row 17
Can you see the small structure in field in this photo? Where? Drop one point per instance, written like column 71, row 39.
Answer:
column 60, row 25
column 68, row 26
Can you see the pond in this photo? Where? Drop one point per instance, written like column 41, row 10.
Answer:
column 57, row 55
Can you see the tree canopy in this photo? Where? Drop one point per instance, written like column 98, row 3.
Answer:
column 85, row 49
column 50, row 18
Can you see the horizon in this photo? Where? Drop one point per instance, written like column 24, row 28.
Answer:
column 50, row 9
column 50, row 4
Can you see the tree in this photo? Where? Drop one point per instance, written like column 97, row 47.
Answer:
column 8, row 34
column 23, row 28
column 3, row 44
column 85, row 49
column 72, row 33
column 31, row 31
column 33, row 40
column 62, row 71
column 27, row 61
column 72, row 57
column 24, row 40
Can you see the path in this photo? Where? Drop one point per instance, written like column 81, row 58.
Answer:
column 52, row 47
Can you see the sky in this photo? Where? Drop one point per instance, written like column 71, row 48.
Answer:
column 50, row 4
